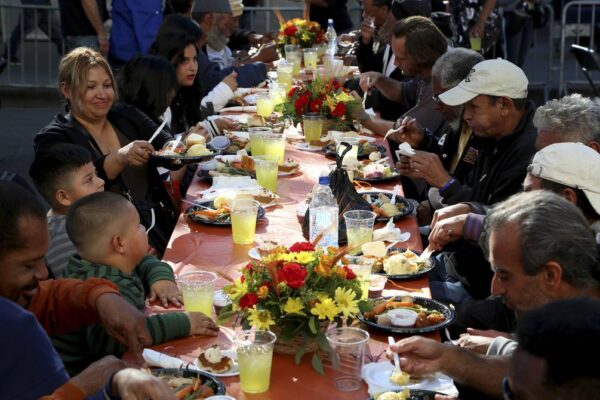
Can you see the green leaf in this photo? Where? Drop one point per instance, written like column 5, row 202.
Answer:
column 365, row 306
column 299, row 354
column 323, row 342
column 312, row 325
column 225, row 314
column 288, row 332
column 317, row 364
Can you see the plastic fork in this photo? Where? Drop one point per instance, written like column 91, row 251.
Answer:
column 397, row 369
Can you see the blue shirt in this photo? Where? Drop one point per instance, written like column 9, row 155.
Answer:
column 134, row 27
column 30, row 367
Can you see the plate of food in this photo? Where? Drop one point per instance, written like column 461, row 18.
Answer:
column 189, row 384
column 206, row 212
column 364, row 149
column 398, row 263
column 407, row 315
column 407, row 394
column 218, row 362
column 382, row 206
column 374, row 172
column 245, row 166
column 238, row 140
column 174, row 152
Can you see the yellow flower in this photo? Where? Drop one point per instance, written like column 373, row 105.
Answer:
column 238, row 289
column 260, row 319
column 326, row 308
column 294, row 306
column 344, row 97
column 304, row 257
column 262, row 292
column 346, row 301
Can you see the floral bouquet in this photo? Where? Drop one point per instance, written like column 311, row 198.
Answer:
column 301, row 32
column 297, row 292
column 327, row 97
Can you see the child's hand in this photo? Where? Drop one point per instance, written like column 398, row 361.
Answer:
column 166, row 291
column 200, row 324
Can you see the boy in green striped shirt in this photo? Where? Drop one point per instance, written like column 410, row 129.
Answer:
column 112, row 244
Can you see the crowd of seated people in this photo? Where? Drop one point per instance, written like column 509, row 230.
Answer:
column 502, row 258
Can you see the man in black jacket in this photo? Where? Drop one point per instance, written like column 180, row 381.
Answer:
column 496, row 107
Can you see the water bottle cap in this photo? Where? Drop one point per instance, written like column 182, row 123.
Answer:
column 324, row 180
column 330, row 21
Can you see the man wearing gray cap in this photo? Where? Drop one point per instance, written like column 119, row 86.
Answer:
column 204, row 12
column 494, row 95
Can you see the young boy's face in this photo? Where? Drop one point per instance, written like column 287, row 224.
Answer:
column 83, row 182
column 135, row 236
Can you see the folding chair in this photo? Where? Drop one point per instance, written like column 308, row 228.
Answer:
column 588, row 60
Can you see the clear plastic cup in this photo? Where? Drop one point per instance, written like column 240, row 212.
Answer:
column 362, row 267
column 347, row 349
column 243, row 220
column 275, row 146
column 359, row 227
column 267, row 171
column 255, row 357
column 310, row 58
column 257, row 143
column 312, row 125
column 264, row 104
column 198, row 290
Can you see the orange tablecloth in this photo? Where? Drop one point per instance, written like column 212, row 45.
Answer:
column 200, row 247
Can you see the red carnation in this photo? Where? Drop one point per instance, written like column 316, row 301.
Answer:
column 293, row 275
column 248, row 300
column 301, row 102
column 302, row 246
column 249, row 266
column 292, row 91
column 339, row 110
column 315, row 105
column 290, row 30
column 349, row 273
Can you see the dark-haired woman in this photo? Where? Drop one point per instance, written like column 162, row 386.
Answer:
column 188, row 107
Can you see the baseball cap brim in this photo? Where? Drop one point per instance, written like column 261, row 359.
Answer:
column 457, row 96
column 594, row 199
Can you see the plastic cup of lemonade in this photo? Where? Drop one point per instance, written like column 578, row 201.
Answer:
column 275, row 146
column 257, row 142
column 264, row 104
column 310, row 58
column 294, row 58
column 278, row 93
column 198, row 290
column 255, row 357
column 475, row 43
column 312, row 124
column 359, row 227
column 284, row 74
column 266, row 171
column 243, row 220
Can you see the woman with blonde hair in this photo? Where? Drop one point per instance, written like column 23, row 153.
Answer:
column 117, row 136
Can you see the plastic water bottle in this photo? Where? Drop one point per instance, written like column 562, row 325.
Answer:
column 331, row 38
column 323, row 211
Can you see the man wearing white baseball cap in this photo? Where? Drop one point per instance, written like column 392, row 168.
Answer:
column 495, row 98
column 570, row 170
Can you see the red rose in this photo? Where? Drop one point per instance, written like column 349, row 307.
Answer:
column 290, row 30
column 248, row 300
column 302, row 246
column 349, row 273
column 315, row 105
column 249, row 266
column 301, row 102
column 292, row 91
column 339, row 110
column 293, row 275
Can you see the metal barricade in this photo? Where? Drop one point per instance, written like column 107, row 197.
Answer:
column 34, row 31
column 578, row 21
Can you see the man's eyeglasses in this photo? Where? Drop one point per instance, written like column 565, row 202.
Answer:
column 506, row 390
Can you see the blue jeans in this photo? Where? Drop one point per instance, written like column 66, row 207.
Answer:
column 444, row 287
column 73, row 42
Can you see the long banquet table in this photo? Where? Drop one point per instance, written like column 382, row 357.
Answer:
column 200, row 247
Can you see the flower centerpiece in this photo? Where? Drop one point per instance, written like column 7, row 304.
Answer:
column 327, row 97
column 301, row 32
column 296, row 292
